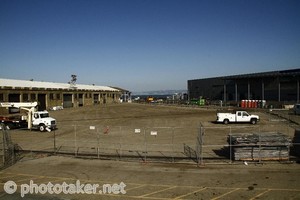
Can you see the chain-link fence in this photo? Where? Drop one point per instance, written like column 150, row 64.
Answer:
column 206, row 143
column 8, row 150
column 122, row 142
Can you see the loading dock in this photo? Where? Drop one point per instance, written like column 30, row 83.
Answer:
column 96, row 98
column 13, row 98
column 80, row 100
column 41, row 102
column 67, row 100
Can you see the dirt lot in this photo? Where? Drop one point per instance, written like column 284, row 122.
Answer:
column 115, row 133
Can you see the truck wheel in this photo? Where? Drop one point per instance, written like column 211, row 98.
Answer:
column 42, row 128
column 253, row 121
column 226, row 121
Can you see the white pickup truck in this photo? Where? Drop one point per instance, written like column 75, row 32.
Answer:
column 238, row 116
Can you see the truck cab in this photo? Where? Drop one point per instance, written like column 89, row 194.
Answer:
column 242, row 116
column 42, row 121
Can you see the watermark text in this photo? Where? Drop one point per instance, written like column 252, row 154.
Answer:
column 11, row 187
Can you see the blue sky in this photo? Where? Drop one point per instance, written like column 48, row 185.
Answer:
column 144, row 45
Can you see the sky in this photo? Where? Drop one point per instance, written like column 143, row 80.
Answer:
column 146, row 45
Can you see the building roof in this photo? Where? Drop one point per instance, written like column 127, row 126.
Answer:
column 25, row 84
column 291, row 72
column 281, row 73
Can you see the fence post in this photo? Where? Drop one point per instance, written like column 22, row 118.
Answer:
column 98, row 142
column 259, row 151
column 75, row 136
column 145, row 143
column 54, row 142
column 199, row 146
column 3, row 143
column 173, row 144
column 230, row 146
column 120, row 143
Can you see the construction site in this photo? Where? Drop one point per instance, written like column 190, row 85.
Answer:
column 59, row 140
column 158, row 151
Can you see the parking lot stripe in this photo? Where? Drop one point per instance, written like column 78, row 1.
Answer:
column 260, row 194
column 179, row 197
column 158, row 191
column 136, row 187
column 226, row 194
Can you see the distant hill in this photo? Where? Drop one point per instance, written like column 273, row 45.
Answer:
column 158, row 92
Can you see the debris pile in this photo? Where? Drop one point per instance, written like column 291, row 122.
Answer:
column 260, row 146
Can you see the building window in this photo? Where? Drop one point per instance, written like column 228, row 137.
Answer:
column 58, row 96
column 51, row 96
column 32, row 97
column 1, row 97
column 25, row 97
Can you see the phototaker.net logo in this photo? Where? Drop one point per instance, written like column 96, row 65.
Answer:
column 10, row 187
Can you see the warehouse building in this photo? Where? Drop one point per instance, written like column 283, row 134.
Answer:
column 276, row 87
column 49, row 94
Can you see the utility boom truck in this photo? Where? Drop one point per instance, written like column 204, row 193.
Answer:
column 236, row 117
column 35, row 119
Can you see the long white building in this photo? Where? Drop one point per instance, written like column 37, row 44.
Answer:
column 50, row 94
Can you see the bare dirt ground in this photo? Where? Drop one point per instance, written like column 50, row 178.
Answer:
column 113, row 129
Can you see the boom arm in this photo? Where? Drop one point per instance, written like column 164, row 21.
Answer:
column 18, row 104
column 30, row 107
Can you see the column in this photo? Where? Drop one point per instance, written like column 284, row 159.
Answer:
column 249, row 95
column 236, row 92
column 224, row 92
column 279, row 91
column 297, row 91
column 262, row 90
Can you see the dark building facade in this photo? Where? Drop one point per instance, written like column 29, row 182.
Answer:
column 276, row 86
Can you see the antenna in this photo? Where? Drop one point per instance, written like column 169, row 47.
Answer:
column 73, row 81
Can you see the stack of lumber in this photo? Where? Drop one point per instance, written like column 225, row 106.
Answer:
column 259, row 146
column 296, row 142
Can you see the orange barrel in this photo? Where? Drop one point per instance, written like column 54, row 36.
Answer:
column 243, row 103
column 249, row 104
column 256, row 104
